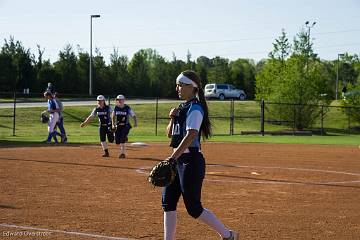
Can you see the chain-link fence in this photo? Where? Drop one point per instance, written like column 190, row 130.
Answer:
column 228, row 117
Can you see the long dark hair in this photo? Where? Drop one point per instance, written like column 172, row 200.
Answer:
column 205, row 128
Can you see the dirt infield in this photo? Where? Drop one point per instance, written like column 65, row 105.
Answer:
column 265, row 191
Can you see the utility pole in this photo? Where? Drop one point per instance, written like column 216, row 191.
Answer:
column 90, row 67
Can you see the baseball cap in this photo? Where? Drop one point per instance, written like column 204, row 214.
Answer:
column 120, row 97
column 100, row 98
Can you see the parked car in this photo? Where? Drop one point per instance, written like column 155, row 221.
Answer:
column 222, row 91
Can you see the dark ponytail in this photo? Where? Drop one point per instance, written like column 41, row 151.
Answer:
column 205, row 128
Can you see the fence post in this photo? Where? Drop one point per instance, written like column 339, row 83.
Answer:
column 349, row 115
column 322, row 120
column 232, row 117
column 294, row 119
column 156, row 115
column 14, row 117
column 262, row 117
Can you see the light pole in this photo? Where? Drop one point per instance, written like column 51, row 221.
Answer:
column 90, row 67
column 337, row 75
column 309, row 26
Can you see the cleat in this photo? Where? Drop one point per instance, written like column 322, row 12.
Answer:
column 233, row 236
column 63, row 139
column 122, row 155
column 106, row 154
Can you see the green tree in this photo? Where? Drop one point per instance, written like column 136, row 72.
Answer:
column 282, row 47
column 189, row 64
column 82, row 67
column 139, row 74
column 39, row 84
column 46, row 74
column 203, row 64
column 298, row 80
column 242, row 76
column 269, row 74
column 8, row 76
column 66, row 80
column 17, row 66
column 102, row 82
column 161, row 80
column 176, row 66
column 352, row 102
column 348, row 69
column 119, row 72
column 219, row 71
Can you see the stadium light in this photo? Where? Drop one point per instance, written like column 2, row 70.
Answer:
column 309, row 26
column 90, row 67
column 337, row 75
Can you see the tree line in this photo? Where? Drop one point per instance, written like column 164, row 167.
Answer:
column 147, row 74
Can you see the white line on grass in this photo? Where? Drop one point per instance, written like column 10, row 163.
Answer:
column 63, row 232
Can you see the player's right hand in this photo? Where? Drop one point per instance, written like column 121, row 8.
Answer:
column 174, row 112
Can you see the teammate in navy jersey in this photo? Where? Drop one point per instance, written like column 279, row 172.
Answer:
column 120, row 120
column 53, row 111
column 104, row 114
column 187, row 124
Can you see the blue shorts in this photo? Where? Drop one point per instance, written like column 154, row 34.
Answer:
column 188, row 183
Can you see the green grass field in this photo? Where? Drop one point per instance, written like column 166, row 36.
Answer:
column 30, row 130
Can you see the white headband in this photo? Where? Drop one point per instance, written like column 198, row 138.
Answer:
column 184, row 79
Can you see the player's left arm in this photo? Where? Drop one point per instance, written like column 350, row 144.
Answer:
column 132, row 114
column 113, row 118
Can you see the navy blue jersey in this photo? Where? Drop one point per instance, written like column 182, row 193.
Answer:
column 190, row 116
column 122, row 115
column 103, row 115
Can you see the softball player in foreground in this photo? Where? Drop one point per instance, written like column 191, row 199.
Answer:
column 120, row 120
column 53, row 111
column 188, row 123
column 104, row 114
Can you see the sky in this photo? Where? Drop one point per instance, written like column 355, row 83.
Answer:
column 227, row 28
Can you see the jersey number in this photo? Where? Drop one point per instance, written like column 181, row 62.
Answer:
column 176, row 129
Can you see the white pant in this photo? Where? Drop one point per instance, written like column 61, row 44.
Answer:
column 53, row 119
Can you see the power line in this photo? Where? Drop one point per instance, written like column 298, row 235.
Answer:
column 340, row 45
column 218, row 41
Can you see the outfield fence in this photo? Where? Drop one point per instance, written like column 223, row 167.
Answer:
column 229, row 117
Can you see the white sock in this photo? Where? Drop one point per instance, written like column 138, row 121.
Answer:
column 104, row 145
column 122, row 148
column 169, row 225
column 211, row 220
